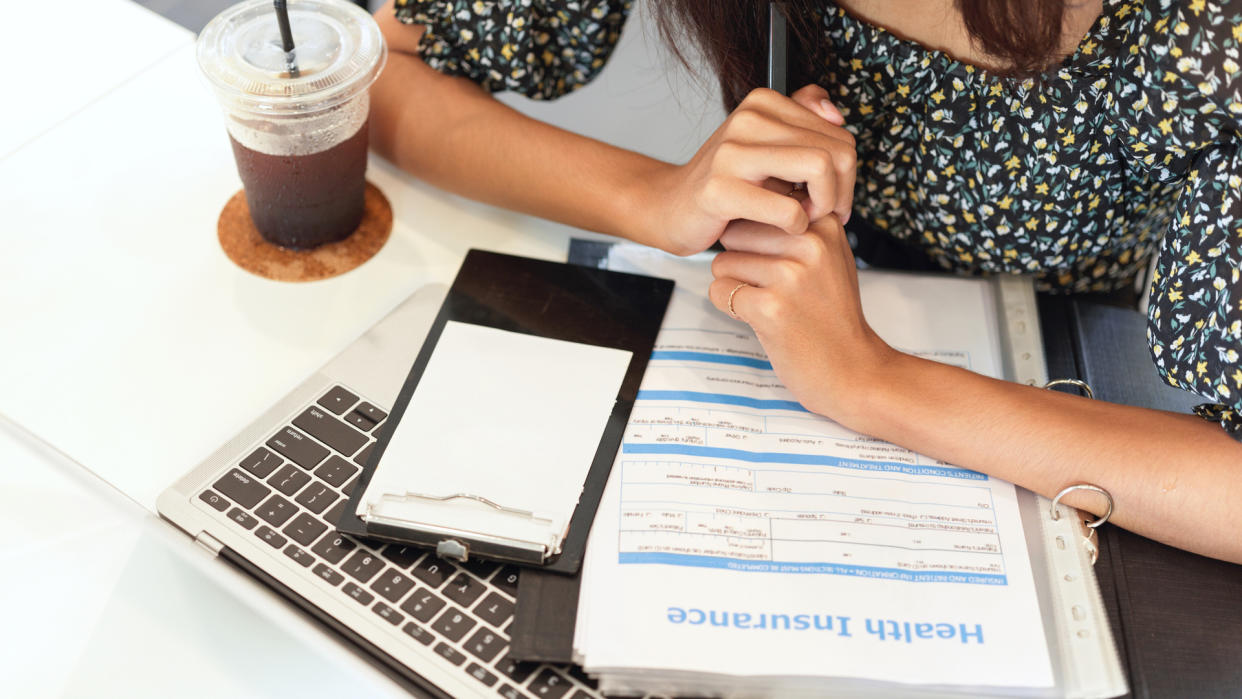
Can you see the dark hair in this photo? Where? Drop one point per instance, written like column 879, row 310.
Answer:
column 732, row 35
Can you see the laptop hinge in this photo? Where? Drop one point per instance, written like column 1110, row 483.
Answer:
column 209, row 542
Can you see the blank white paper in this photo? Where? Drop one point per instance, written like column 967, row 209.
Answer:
column 505, row 416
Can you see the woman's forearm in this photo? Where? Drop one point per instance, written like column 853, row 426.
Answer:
column 449, row 132
column 1174, row 478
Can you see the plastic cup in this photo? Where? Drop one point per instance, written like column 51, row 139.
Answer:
column 300, row 141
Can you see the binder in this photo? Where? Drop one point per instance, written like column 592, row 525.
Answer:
column 498, row 306
column 1176, row 616
column 1085, row 657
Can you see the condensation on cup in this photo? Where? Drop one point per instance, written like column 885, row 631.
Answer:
column 299, row 137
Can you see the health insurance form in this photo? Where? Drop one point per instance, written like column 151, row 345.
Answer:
column 743, row 535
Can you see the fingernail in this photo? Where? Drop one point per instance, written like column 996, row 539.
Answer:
column 831, row 113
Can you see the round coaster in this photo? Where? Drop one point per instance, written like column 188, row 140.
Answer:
column 247, row 249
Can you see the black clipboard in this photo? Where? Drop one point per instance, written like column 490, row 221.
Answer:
column 546, row 299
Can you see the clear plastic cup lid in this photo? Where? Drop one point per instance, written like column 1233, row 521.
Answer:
column 338, row 52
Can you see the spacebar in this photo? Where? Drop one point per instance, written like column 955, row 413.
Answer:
column 331, row 431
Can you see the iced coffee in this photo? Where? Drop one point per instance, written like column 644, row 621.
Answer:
column 297, row 120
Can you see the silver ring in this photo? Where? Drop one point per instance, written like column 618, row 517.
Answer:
column 731, row 295
column 1072, row 382
column 1052, row 509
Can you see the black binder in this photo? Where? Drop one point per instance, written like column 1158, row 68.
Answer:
column 1176, row 616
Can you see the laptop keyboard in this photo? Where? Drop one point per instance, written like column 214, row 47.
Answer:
column 290, row 492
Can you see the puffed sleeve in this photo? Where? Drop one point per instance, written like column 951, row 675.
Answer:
column 542, row 49
column 1193, row 101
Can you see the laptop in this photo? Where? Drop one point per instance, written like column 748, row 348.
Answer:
column 268, row 500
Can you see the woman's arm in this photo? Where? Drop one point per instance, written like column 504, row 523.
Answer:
column 451, row 133
column 1174, row 478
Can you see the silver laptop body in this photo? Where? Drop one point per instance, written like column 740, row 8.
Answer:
column 442, row 628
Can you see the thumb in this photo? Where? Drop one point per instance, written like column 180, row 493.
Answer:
column 815, row 98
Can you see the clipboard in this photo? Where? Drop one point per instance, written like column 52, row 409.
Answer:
column 535, row 304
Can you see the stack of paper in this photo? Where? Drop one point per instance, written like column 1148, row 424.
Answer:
column 746, row 546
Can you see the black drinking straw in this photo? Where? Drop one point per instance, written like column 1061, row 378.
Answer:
column 286, row 36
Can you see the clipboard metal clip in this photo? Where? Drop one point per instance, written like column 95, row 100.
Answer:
column 533, row 539
column 467, row 496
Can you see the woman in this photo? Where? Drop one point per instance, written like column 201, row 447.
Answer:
column 1074, row 141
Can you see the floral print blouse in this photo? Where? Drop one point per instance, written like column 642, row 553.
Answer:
column 1131, row 147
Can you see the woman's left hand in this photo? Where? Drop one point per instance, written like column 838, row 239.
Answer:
column 800, row 294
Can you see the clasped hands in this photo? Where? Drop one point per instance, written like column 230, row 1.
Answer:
column 788, row 270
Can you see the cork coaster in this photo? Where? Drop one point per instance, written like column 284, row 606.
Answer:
column 247, row 249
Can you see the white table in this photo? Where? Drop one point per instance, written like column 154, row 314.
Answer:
column 132, row 348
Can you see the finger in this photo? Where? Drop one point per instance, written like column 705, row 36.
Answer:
column 816, row 99
column 846, row 172
column 759, row 238
column 814, row 166
column 773, row 103
column 744, row 298
column 757, row 124
column 764, row 271
column 730, row 198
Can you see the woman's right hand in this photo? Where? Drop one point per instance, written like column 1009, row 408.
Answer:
column 745, row 169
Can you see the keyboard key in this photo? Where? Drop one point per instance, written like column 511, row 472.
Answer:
column 261, row 462
column 482, row 569
column 479, row 673
column 298, row 448
column 549, row 685
column 363, row 565
column 401, row 556
column 360, row 595
column 329, row 430
column 304, row 529
column 210, row 497
column 333, row 515
column 486, row 645
column 360, row 421
column 494, row 609
column 423, row 605
column 335, row 471
column 450, row 653
column 303, row 558
column 270, row 536
column 349, row 487
column 242, row 488
column 418, row 633
column 361, row 457
column 338, row 400
column 316, row 497
column 245, row 520
column 453, row 624
column 507, row 580
column 580, row 695
column 392, row 585
column 333, row 547
column 514, row 670
column 575, row 671
column 371, row 412
column 289, row 479
column 387, row 613
column 333, row 577
column 464, row 590
column 433, row 570
column 276, row 510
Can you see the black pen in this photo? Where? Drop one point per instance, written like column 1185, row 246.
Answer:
column 777, row 50
column 778, row 58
